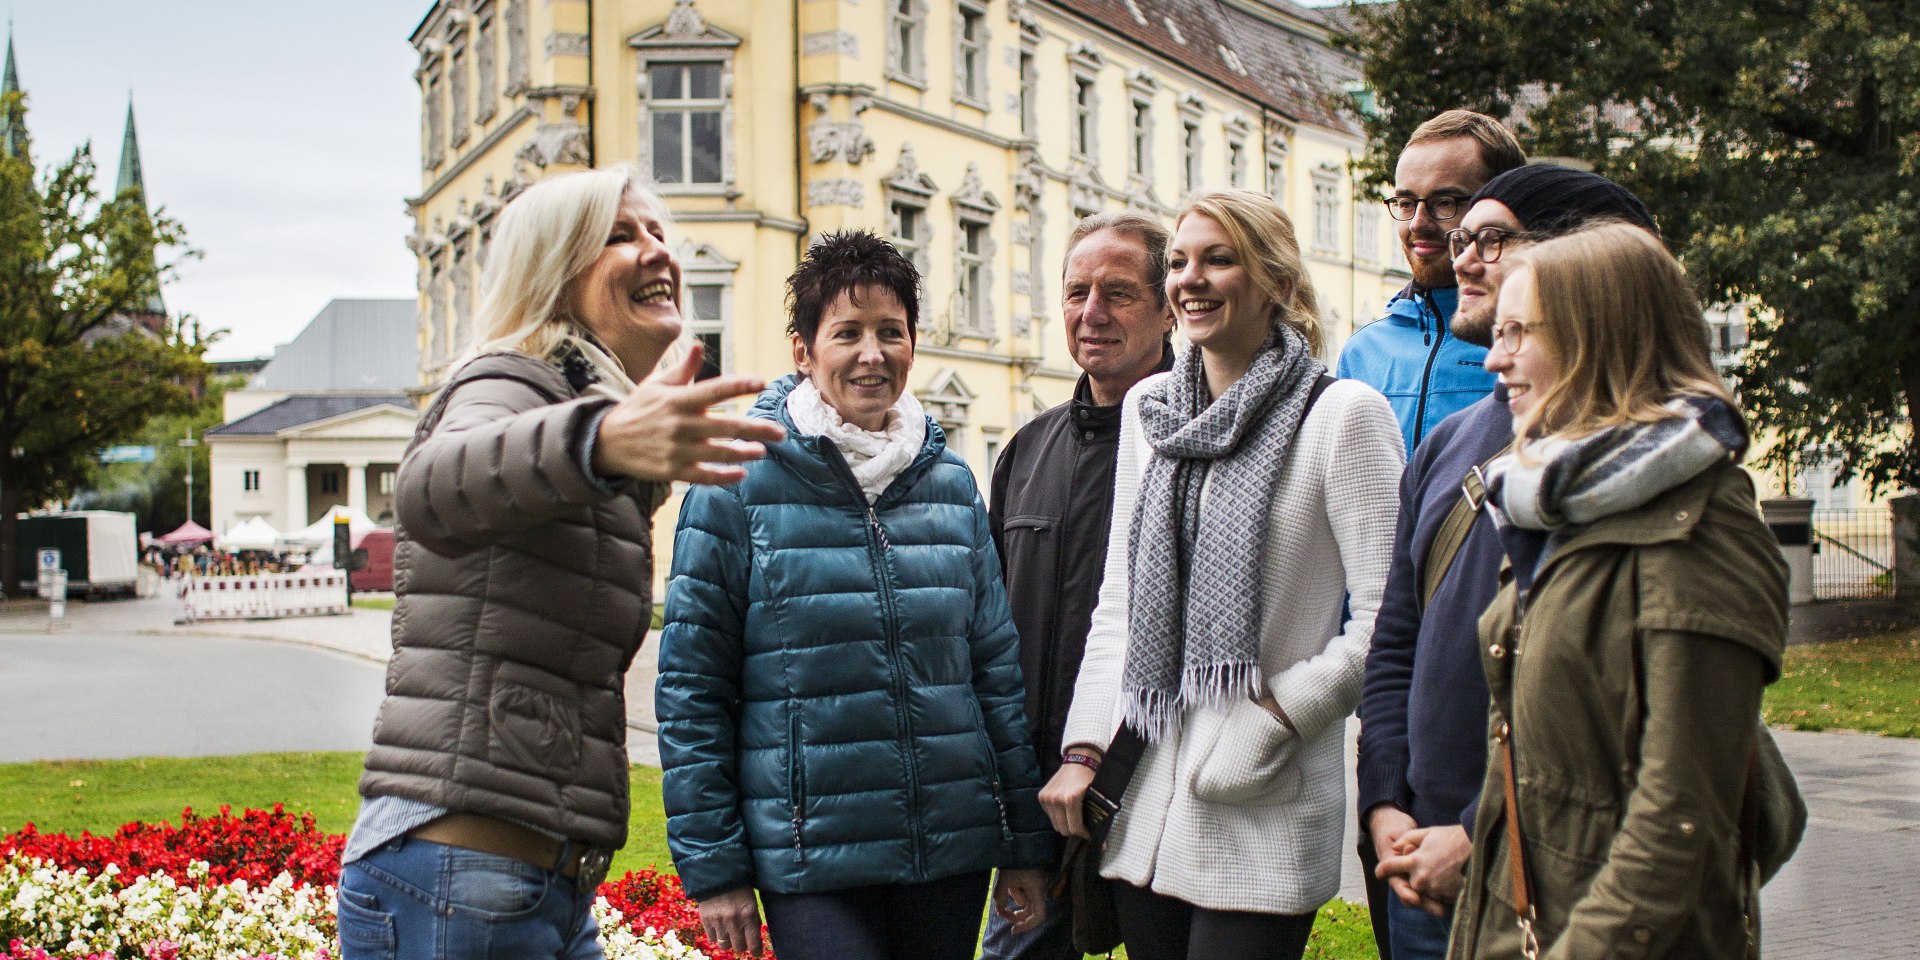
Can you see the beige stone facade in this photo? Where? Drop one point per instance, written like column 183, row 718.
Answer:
column 972, row 132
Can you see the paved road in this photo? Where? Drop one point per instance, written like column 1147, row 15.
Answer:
column 72, row 696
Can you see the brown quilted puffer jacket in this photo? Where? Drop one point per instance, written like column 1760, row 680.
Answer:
column 524, row 589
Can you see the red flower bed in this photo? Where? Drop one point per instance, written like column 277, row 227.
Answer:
column 657, row 900
column 257, row 845
column 254, row 846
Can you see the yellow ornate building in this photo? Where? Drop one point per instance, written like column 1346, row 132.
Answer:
column 972, row 132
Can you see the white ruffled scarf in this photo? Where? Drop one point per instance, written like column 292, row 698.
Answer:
column 875, row 456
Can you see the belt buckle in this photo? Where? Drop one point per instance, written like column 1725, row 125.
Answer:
column 593, row 869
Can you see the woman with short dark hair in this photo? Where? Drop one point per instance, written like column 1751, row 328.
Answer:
column 841, row 714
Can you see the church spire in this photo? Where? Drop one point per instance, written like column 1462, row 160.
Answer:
column 131, row 178
column 13, row 118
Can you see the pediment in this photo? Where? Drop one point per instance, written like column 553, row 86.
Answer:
column 384, row 422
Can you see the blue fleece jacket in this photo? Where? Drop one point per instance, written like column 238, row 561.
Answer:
column 1423, row 697
column 1427, row 373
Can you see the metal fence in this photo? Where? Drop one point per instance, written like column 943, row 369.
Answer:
column 1852, row 554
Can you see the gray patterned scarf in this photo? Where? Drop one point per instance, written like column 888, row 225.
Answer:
column 1564, row 483
column 1194, row 611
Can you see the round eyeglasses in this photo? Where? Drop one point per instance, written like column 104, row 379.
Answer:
column 1440, row 206
column 1487, row 242
column 1513, row 336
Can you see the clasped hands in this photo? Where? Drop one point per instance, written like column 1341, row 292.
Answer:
column 1423, row 865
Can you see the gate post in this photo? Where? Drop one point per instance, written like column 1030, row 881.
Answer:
column 1791, row 520
column 1906, row 548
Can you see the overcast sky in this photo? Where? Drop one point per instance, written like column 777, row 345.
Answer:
column 284, row 137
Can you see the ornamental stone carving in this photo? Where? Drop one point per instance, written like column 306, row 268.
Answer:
column 829, row 140
column 835, row 192
column 830, row 42
column 566, row 45
column 684, row 22
column 553, row 143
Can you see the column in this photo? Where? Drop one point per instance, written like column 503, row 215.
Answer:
column 296, row 496
column 357, row 486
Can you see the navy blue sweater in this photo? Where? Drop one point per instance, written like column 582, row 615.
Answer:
column 1423, row 699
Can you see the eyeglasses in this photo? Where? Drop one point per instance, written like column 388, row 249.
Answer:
column 1487, row 242
column 1440, row 206
column 1513, row 336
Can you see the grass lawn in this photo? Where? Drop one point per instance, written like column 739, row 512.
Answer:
column 100, row 795
column 1870, row 684
column 373, row 603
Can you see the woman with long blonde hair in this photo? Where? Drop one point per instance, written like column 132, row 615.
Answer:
column 1252, row 494
column 1645, row 611
column 496, row 790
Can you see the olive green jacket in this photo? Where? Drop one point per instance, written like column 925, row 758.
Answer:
column 1631, row 681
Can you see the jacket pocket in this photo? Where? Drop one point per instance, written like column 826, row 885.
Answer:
column 533, row 722
column 796, row 782
column 1248, row 760
column 993, row 766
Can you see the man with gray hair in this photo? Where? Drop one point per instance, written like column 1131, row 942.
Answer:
column 1052, row 496
column 1423, row 694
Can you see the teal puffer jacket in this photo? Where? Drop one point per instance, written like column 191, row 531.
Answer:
column 840, row 700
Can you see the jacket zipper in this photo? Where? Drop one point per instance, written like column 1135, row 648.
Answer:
column 1426, row 375
column 796, row 782
column 993, row 770
column 878, row 546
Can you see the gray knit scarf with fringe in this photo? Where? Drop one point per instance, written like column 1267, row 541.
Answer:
column 1562, row 483
column 1193, row 613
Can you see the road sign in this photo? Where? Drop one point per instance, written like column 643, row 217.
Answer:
column 49, row 558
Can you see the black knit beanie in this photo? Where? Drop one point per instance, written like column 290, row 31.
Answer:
column 1550, row 200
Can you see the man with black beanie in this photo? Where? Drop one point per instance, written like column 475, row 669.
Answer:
column 1424, row 697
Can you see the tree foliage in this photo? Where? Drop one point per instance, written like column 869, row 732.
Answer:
column 1776, row 141
column 73, row 379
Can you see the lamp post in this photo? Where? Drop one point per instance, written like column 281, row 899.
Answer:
column 188, row 444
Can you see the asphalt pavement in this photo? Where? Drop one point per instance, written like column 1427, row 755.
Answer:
column 93, row 696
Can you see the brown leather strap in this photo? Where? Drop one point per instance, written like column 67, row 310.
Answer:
column 471, row 831
column 1516, row 854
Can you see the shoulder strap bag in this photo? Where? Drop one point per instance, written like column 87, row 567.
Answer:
column 1452, row 534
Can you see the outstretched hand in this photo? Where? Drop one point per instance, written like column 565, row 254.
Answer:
column 664, row 431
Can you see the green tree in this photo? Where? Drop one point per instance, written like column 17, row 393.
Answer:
column 1778, row 144
column 72, row 379
column 156, row 493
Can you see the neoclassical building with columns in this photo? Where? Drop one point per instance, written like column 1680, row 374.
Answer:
column 973, row 133
column 323, row 424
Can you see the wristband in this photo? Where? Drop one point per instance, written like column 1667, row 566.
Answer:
column 1091, row 763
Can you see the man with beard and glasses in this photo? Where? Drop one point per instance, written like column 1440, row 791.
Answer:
column 1407, row 354
column 1424, row 696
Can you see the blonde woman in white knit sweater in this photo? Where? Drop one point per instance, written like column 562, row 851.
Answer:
column 1244, row 510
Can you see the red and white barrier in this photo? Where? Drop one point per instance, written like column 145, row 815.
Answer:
column 266, row 596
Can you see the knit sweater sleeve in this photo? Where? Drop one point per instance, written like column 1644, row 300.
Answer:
column 1360, row 460
column 1095, row 714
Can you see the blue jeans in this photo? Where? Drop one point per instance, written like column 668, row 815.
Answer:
column 935, row 920
column 1415, row 933
column 415, row 899
column 1051, row 940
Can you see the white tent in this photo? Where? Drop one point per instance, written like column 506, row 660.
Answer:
column 322, row 530
column 255, row 533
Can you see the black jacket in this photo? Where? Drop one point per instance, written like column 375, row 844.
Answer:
column 1052, row 502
